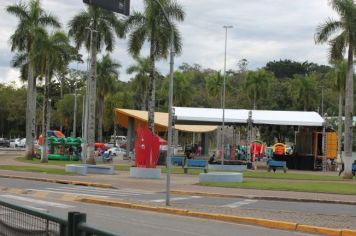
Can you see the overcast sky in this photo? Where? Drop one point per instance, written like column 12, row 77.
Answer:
column 263, row 30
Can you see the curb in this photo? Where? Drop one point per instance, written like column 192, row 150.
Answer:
column 182, row 192
column 59, row 181
column 275, row 224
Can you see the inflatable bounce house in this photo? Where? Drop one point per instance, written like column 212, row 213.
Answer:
column 60, row 148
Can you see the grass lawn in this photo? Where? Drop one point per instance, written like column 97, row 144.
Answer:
column 50, row 162
column 315, row 187
column 34, row 169
column 250, row 174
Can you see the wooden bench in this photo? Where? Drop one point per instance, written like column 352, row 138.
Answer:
column 274, row 165
column 177, row 161
column 195, row 164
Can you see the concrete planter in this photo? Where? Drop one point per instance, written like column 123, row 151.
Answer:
column 145, row 173
column 238, row 168
column 84, row 169
column 221, row 177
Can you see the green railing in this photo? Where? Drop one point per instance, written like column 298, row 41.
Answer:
column 23, row 221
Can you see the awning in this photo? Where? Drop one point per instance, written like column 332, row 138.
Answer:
column 214, row 116
column 161, row 121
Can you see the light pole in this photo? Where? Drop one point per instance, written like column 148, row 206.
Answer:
column 223, row 103
column 170, row 106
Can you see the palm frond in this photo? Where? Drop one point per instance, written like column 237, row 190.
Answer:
column 337, row 47
column 324, row 30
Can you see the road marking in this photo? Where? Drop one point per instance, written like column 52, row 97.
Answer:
column 40, row 202
column 91, row 191
column 240, row 203
column 61, row 191
column 176, row 199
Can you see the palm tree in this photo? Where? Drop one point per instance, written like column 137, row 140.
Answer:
column 54, row 52
column 346, row 39
column 139, row 83
column 339, row 75
column 102, row 25
column 31, row 17
column 107, row 71
column 303, row 90
column 257, row 83
column 152, row 26
column 214, row 86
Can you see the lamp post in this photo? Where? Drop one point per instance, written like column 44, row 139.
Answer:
column 226, row 27
column 170, row 106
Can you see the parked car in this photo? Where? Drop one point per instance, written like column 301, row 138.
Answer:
column 116, row 151
column 22, row 143
column 4, row 142
column 14, row 143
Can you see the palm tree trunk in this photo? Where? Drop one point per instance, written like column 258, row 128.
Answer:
column 61, row 125
column 339, row 125
column 100, row 117
column 151, row 88
column 348, row 114
column 30, row 112
column 44, row 158
column 92, row 100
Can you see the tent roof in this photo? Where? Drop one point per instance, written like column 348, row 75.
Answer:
column 161, row 121
column 213, row 116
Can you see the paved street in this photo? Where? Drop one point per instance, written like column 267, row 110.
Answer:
column 322, row 214
column 137, row 222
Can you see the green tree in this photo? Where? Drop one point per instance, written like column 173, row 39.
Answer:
column 303, row 90
column 257, row 83
column 346, row 25
column 152, row 26
column 108, row 73
column 54, row 52
column 103, row 26
column 214, row 86
column 31, row 18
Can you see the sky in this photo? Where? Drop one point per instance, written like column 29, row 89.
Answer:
column 263, row 31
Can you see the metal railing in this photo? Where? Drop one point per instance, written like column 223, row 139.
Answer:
column 21, row 221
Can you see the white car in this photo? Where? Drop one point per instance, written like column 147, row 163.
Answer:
column 116, row 151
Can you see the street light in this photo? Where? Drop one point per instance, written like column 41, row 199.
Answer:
column 170, row 105
column 223, row 103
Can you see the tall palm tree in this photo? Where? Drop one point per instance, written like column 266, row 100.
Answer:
column 54, row 52
column 31, row 17
column 94, row 28
column 108, row 73
column 152, row 26
column 257, row 83
column 140, row 81
column 338, row 74
column 346, row 25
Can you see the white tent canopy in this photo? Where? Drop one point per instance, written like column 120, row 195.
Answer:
column 190, row 115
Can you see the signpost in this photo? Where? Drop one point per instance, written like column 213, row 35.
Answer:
column 118, row 6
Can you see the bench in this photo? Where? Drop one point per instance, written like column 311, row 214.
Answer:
column 354, row 169
column 177, row 161
column 195, row 164
column 274, row 165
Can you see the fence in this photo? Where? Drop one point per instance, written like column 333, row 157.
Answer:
column 21, row 221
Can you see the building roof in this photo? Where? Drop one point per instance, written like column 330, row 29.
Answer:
column 161, row 121
column 213, row 116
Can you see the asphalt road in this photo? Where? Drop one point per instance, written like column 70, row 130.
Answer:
column 143, row 223
column 145, row 196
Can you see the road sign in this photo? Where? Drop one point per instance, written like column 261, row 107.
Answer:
column 119, row 6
